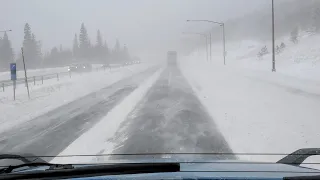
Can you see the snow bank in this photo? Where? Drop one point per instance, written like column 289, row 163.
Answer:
column 94, row 141
column 256, row 111
column 56, row 93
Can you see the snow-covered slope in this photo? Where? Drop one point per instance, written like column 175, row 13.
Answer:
column 300, row 60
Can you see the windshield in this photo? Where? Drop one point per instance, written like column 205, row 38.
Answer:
column 93, row 81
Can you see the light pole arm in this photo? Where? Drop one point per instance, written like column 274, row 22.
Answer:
column 6, row 30
column 220, row 23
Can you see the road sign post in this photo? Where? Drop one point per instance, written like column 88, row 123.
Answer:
column 13, row 70
column 25, row 72
column 14, row 90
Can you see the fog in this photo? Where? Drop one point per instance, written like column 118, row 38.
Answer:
column 143, row 25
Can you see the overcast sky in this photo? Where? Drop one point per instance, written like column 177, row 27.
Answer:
column 144, row 25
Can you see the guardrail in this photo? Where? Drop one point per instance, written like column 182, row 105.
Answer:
column 34, row 79
column 42, row 78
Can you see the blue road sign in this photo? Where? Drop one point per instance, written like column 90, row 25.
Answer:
column 13, row 66
column 13, row 69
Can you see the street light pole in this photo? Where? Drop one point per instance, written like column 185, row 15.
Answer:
column 223, row 34
column 210, row 47
column 273, row 40
column 224, row 44
column 207, row 47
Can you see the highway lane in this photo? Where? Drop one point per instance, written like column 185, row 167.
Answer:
column 50, row 133
column 170, row 119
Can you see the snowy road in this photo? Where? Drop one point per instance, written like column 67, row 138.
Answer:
column 50, row 133
column 169, row 119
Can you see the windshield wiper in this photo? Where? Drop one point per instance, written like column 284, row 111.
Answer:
column 37, row 164
column 29, row 160
column 297, row 157
column 26, row 158
column 11, row 168
column 92, row 170
column 302, row 178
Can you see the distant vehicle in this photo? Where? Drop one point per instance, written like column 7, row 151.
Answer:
column 172, row 58
column 127, row 63
column 80, row 67
column 136, row 60
column 106, row 66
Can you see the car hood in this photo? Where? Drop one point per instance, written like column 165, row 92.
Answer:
column 217, row 168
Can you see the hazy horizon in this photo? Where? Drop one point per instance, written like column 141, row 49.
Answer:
column 142, row 25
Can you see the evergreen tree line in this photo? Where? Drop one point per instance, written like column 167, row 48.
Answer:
column 82, row 51
column 6, row 52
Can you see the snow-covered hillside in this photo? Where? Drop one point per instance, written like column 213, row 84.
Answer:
column 300, row 60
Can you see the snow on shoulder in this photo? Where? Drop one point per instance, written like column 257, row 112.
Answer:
column 259, row 111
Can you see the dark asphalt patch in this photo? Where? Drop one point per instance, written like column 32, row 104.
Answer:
column 170, row 120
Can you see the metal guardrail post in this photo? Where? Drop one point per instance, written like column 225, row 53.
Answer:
column 42, row 79
column 34, row 80
column 3, row 87
column 57, row 77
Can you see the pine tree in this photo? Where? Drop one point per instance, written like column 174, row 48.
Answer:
column 125, row 53
column 31, row 48
column 6, row 52
column 75, row 46
column 54, row 52
column 105, row 44
column 105, row 49
column 294, row 35
column 117, row 46
column 84, row 42
column 98, row 49
column 116, row 54
column 105, row 53
column 27, row 41
column 27, row 34
column 58, row 57
column 36, row 47
column 99, row 39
